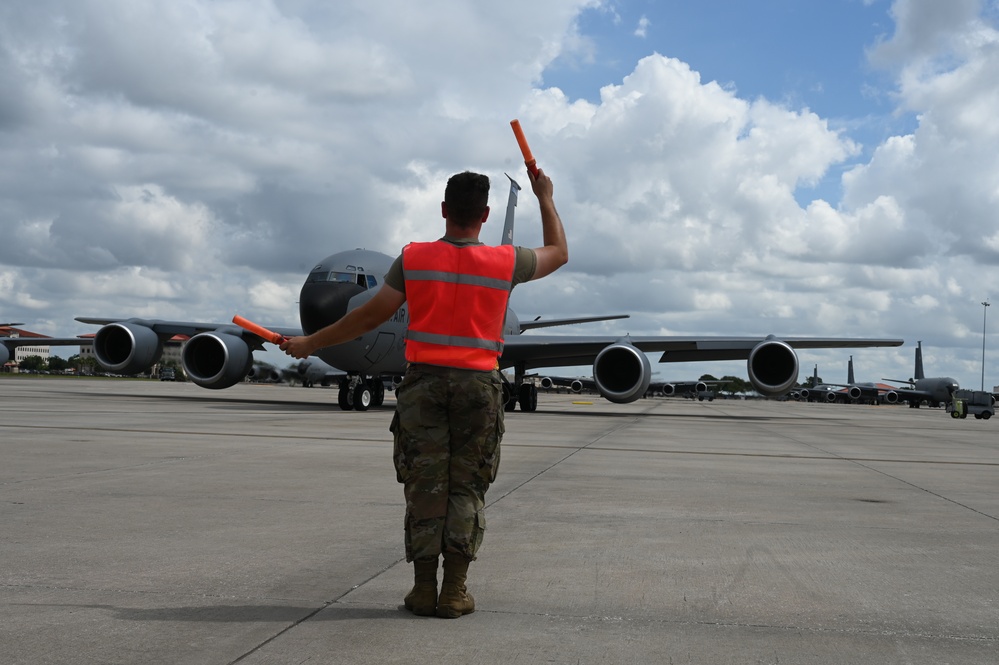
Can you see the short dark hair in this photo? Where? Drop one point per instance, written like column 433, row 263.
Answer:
column 466, row 197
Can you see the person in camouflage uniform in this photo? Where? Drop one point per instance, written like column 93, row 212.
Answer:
column 448, row 426
column 448, row 422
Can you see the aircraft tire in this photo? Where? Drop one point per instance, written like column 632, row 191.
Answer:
column 362, row 397
column 509, row 398
column 344, row 397
column 528, row 397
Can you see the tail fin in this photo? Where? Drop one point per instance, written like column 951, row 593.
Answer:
column 849, row 372
column 815, row 377
column 919, row 362
column 511, row 204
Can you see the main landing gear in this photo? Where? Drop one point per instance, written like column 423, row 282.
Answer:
column 526, row 395
column 360, row 393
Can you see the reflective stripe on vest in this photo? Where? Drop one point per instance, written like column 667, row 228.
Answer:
column 457, row 298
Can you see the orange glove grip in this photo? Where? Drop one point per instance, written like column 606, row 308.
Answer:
column 269, row 335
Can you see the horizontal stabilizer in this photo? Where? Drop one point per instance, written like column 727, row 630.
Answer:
column 551, row 323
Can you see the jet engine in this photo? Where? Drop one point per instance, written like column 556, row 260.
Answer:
column 891, row 397
column 216, row 359
column 575, row 385
column 4, row 354
column 667, row 389
column 854, row 392
column 622, row 372
column 127, row 347
column 773, row 367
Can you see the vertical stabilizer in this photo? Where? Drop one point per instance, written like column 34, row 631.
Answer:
column 815, row 376
column 919, row 362
column 511, row 205
column 849, row 372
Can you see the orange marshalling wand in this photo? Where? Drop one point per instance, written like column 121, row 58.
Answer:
column 532, row 164
column 269, row 335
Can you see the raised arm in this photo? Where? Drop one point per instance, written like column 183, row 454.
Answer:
column 555, row 252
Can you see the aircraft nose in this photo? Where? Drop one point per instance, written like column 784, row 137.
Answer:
column 323, row 303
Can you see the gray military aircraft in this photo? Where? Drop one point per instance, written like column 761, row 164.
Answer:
column 934, row 390
column 219, row 355
column 819, row 392
column 851, row 391
column 8, row 344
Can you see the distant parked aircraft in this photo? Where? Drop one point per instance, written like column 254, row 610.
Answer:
column 934, row 390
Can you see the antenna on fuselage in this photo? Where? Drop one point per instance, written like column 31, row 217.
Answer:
column 511, row 204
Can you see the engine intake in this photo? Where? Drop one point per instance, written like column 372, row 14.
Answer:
column 622, row 373
column 217, row 360
column 773, row 367
column 127, row 347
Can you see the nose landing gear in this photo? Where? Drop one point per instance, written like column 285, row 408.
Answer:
column 360, row 393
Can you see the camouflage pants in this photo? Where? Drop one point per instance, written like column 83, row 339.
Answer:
column 447, row 429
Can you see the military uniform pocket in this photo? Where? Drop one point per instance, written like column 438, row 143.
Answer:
column 398, row 458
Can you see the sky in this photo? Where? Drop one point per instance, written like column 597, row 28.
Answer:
column 826, row 169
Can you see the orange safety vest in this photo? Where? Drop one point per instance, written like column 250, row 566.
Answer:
column 457, row 302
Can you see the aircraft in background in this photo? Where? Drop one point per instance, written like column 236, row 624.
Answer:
column 699, row 390
column 852, row 391
column 262, row 372
column 219, row 355
column 934, row 390
column 819, row 392
column 10, row 343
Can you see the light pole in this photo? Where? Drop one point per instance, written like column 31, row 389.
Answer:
column 985, row 311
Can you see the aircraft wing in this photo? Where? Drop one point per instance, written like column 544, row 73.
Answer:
column 622, row 372
column 217, row 355
column 567, row 350
column 187, row 328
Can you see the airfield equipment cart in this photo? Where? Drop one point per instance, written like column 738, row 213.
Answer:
column 979, row 403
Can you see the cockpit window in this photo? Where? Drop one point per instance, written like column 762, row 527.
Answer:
column 362, row 280
column 372, row 282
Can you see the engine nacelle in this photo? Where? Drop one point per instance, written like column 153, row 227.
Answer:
column 668, row 389
column 4, row 354
column 700, row 387
column 831, row 396
column 127, row 347
column 217, row 359
column 773, row 367
column 546, row 382
column 259, row 372
column 891, row 397
column 622, row 373
column 854, row 392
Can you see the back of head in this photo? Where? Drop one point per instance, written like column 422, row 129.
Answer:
column 466, row 197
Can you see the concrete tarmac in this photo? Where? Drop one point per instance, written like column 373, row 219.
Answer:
column 148, row 522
